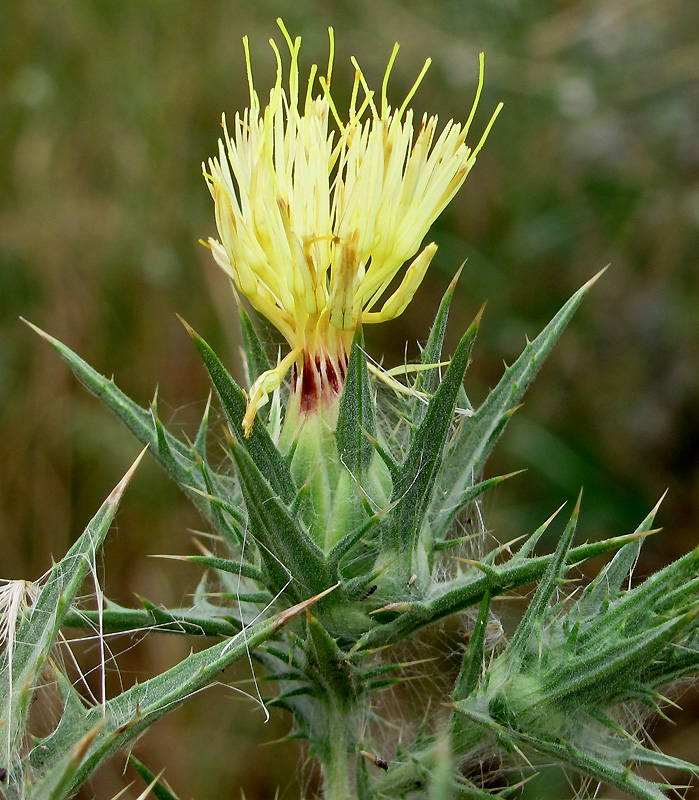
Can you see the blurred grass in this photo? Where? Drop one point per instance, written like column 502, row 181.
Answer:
column 108, row 110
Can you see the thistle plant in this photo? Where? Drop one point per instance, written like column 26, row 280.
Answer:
column 338, row 512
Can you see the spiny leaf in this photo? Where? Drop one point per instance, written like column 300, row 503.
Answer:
column 468, row 590
column 231, row 525
column 127, row 715
column 444, row 518
column 160, row 790
column 606, row 585
column 432, row 354
column 227, row 565
column 654, row 758
column 256, row 359
column 174, row 456
column 328, row 666
column 199, row 444
column 386, row 457
column 683, row 598
column 20, row 670
column 293, row 561
column 450, row 544
column 370, row 673
column 357, row 415
column 416, row 476
column 173, row 620
column 342, row 548
column 73, row 703
column 609, row 770
column 260, row 598
column 604, row 674
column 643, row 598
column 548, row 584
column 259, row 444
column 193, row 622
column 478, row 434
column 673, row 664
column 57, row 782
column 471, row 667
column 526, row 550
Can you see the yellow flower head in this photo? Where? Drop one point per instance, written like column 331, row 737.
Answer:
column 317, row 215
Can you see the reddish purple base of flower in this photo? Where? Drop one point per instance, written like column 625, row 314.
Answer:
column 320, row 380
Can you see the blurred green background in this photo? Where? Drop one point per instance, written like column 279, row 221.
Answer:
column 107, row 110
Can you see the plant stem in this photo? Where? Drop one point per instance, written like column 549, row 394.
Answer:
column 336, row 766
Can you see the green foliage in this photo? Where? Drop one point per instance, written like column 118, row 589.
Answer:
column 256, row 359
column 560, row 687
column 52, row 768
column 261, row 447
column 356, row 423
column 479, row 433
column 413, row 486
column 159, row 789
column 22, row 666
column 369, row 536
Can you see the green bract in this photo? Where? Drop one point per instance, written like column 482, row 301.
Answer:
column 352, row 526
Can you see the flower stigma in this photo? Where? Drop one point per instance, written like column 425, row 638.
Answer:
column 317, row 216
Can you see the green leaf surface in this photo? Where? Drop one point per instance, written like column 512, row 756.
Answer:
column 655, row 758
column 37, row 633
column 228, row 565
column 606, row 769
column 57, row 783
column 472, row 665
column 171, row 620
column 259, row 444
column 673, row 665
column 198, row 621
column 603, row 675
column 126, row 716
column 256, row 360
column 548, row 584
column 426, row 380
column 416, row 475
column 231, row 524
column 468, row 590
column 199, row 444
column 327, row 665
column 357, row 414
column 440, row 525
column 606, row 586
column 343, row 547
column 159, row 789
column 478, row 434
column 294, row 564
column 173, row 455
column 644, row 599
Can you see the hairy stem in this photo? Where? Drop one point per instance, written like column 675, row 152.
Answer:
column 336, row 757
